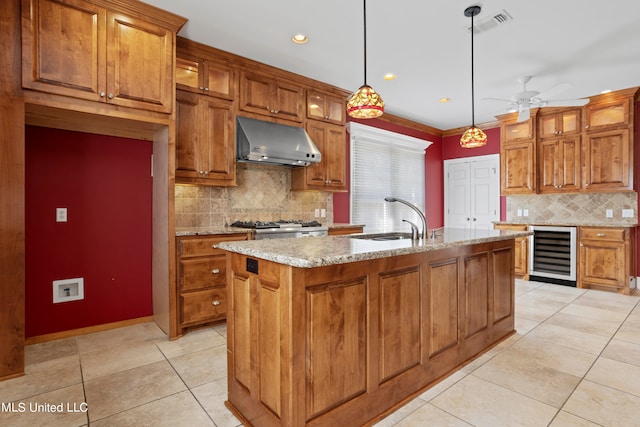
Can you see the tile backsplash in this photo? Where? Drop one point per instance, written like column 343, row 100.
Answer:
column 263, row 194
column 578, row 208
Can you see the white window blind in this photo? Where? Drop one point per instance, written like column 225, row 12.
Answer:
column 385, row 164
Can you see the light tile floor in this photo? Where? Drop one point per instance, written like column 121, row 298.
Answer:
column 575, row 361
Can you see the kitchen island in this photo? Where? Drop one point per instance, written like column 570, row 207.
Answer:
column 327, row 331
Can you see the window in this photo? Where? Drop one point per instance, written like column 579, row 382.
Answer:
column 385, row 164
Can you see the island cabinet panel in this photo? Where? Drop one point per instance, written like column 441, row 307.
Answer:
column 400, row 322
column 336, row 331
column 345, row 344
column 442, row 283
column 476, row 293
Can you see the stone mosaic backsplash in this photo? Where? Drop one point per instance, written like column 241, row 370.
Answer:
column 262, row 194
column 573, row 208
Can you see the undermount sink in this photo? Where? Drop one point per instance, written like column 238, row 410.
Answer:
column 383, row 236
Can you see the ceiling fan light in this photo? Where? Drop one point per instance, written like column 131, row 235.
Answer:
column 365, row 103
column 473, row 138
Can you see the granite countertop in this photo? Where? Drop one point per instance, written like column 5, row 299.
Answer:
column 573, row 224
column 205, row 231
column 308, row 252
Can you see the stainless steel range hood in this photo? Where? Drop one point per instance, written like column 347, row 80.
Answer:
column 270, row 143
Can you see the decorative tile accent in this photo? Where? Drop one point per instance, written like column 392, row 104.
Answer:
column 262, row 194
column 575, row 208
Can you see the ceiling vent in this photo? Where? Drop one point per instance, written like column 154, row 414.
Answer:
column 491, row 22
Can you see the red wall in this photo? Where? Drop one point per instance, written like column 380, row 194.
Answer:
column 105, row 184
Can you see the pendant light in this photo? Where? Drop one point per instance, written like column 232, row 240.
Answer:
column 365, row 103
column 473, row 137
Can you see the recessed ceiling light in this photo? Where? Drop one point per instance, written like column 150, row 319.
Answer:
column 444, row 100
column 299, row 39
column 390, row 76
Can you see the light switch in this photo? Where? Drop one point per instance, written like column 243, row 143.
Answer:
column 61, row 214
column 519, row 212
column 627, row 213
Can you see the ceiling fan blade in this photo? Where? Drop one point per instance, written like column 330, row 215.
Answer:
column 497, row 99
column 554, row 91
column 524, row 114
column 567, row 102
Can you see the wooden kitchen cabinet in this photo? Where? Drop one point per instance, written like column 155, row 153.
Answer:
column 521, row 253
column 609, row 110
column 272, row 97
column 201, row 279
column 341, row 231
column 559, row 164
column 517, row 155
column 205, row 140
column 511, row 130
column 606, row 259
column 554, row 124
column 89, row 50
column 608, row 160
column 518, row 168
column 325, row 107
column 203, row 76
column 330, row 173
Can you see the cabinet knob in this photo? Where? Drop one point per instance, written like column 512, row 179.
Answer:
column 216, row 302
column 102, row 94
column 586, row 127
column 206, row 88
column 110, row 96
column 215, row 271
column 600, row 234
column 201, row 87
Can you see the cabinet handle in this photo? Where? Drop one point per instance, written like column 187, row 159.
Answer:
column 215, row 271
column 586, row 127
column 216, row 302
column 600, row 234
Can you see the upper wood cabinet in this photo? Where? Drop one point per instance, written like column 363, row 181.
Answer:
column 325, row 107
column 269, row 96
column 330, row 173
column 84, row 50
column 562, row 123
column 512, row 130
column 608, row 112
column 203, row 76
column 559, row 164
column 517, row 168
column 608, row 164
column 205, row 140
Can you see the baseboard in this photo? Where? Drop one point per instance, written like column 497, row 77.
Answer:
column 87, row 330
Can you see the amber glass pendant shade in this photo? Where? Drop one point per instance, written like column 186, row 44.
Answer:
column 365, row 104
column 473, row 138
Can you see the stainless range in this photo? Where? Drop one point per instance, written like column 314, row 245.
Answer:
column 283, row 229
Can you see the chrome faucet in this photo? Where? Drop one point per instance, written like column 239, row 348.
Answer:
column 414, row 207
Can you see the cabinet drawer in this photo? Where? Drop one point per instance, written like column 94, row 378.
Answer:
column 515, row 227
column 203, row 245
column 203, row 306
column 611, row 234
column 203, row 272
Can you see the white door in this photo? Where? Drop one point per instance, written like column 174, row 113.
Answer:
column 472, row 192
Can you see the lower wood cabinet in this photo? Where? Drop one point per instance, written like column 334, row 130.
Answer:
column 607, row 258
column 201, row 279
column 521, row 253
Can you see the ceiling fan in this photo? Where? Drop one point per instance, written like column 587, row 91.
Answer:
column 523, row 101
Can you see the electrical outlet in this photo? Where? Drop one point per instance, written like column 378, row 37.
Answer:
column 61, row 214
column 323, row 213
column 317, row 212
column 525, row 212
column 627, row 213
column 519, row 212
column 609, row 213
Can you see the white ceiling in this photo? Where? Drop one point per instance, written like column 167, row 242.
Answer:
column 593, row 45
